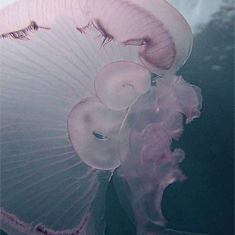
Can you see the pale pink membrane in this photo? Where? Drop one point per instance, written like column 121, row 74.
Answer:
column 28, row 14
column 45, row 184
column 148, row 165
column 119, row 84
column 162, row 34
column 189, row 98
column 93, row 131
column 177, row 27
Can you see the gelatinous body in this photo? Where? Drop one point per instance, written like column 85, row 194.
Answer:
column 77, row 103
column 34, row 14
column 163, row 46
column 45, row 186
column 118, row 85
column 178, row 31
column 91, row 126
column 147, row 162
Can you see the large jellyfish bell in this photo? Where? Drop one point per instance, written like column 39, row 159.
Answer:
column 77, row 102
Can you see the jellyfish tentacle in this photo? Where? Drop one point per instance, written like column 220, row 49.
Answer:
column 148, row 165
column 92, row 126
column 180, row 96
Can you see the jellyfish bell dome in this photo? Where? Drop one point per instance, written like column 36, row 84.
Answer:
column 93, row 131
column 119, row 84
column 58, row 141
column 173, row 37
column 162, row 34
column 77, row 103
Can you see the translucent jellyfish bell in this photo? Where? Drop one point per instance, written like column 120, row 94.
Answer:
column 173, row 37
column 148, row 164
column 161, row 32
column 92, row 126
column 46, row 187
column 77, row 103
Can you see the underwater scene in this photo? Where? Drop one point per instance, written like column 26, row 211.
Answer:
column 117, row 117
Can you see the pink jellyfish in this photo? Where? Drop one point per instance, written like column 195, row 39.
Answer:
column 77, row 103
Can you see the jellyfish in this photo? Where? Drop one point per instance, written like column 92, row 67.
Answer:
column 80, row 105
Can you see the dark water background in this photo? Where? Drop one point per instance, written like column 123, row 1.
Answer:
column 205, row 201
